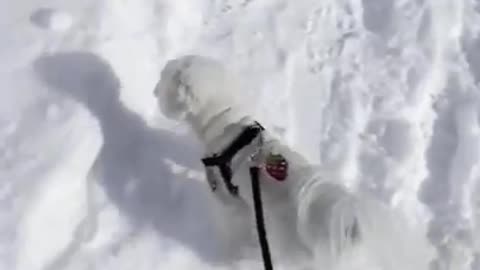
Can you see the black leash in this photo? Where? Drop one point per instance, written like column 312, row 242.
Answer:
column 223, row 162
column 262, row 233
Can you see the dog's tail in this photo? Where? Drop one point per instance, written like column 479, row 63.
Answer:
column 327, row 216
column 347, row 231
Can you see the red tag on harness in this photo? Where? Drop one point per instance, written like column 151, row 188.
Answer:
column 276, row 166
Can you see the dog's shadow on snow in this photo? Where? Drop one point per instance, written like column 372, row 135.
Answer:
column 131, row 162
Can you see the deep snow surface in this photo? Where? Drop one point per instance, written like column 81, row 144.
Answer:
column 384, row 92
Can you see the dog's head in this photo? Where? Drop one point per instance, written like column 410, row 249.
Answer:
column 194, row 85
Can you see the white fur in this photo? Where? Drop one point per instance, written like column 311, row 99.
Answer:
column 304, row 214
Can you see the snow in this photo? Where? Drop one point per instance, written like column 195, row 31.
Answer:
column 93, row 176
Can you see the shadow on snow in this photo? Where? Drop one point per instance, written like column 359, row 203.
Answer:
column 130, row 164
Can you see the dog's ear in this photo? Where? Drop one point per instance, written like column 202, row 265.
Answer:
column 171, row 94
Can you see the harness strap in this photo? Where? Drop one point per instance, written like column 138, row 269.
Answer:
column 223, row 160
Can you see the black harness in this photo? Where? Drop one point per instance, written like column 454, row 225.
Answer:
column 223, row 162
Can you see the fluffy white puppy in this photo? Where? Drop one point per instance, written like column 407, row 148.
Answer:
column 307, row 213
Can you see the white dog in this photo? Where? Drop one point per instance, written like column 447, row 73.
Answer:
column 305, row 212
